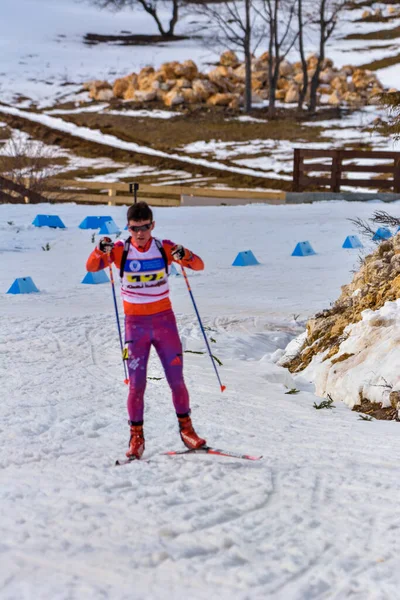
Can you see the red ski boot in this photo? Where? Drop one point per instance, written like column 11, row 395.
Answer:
column 136, row 442
column 188, row 435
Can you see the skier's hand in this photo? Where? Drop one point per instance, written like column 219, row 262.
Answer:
column 178, row 252
column 106, row 245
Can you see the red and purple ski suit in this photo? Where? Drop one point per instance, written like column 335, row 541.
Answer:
column 149, row 319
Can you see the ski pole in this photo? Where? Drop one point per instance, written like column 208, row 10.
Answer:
column 123, row 352
column 223, row 387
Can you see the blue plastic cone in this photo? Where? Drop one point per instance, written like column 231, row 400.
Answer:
column 109, row 227
column 97, row 277
column 48, row 221
column 382, row 233
column 23, row 285
column 352, row 241
column 303, row 249
column 245, row 259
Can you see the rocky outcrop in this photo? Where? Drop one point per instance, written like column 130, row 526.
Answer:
column 176, row 83
column 377, row 282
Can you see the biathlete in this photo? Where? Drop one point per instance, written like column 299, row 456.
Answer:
column 149, row 320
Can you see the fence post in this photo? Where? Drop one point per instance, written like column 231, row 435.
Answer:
column 336, row 171
column 396, row 176
column 112, row 194
column 296, row 169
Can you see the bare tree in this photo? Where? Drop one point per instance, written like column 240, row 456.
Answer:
column 31, row 166
column 327, row 12
column 235, row 23
column 279, row 17
column 152, row 7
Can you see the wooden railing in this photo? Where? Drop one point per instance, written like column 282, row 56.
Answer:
column 64, row 190
column 334, row 173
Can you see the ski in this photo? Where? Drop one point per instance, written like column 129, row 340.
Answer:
column 126, row 461
column 202, row 450
column 214, row 451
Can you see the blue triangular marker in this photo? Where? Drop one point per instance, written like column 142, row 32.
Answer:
column 48, row 221
column 303, row 249
column 23, row 285
column 352, row 241
column 245, row 259
column 382, row 233
column 92, row 222
column 109, row 227
column 96, row 277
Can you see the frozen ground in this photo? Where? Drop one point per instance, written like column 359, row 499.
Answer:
column 317, row 518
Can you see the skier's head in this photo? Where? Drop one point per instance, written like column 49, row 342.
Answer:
column 140, row 222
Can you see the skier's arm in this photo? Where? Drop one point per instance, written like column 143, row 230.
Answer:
column 99, row 260
column 189, row 260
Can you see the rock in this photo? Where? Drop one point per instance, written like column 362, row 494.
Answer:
column 167, row 70
column 144, row 95
column 190, row 96
column 183, row 83
column 240, row 73
column 394, row 398
column 229, row 59
column 223, row 83
column 187, row 70
column 292, row 94
column 285, row 68
column 105, row 95
column 173, row 98
column 352, row 98
column 96, row 86
column 298, row 78
column 144, row 75
column 283, row 84
column 221, row 99
column 122, row 84
column 235, row 103
column 334, row 98
column 327, row 75
column 203, row 88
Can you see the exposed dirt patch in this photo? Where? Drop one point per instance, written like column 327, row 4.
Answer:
column 375, row 410
column 381, row 34
column 126, row 39
column 382, row 63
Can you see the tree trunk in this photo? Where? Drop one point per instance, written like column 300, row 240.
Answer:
column 247, row 60
column 174, row 18
column 315, row 78
column 304, row 85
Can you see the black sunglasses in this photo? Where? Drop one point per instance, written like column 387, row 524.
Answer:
column 137, row 228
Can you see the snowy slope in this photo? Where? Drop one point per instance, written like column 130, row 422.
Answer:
column 316, row 518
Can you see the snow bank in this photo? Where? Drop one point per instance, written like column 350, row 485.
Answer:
column 368, row 363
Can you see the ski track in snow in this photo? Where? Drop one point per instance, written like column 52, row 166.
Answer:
column 316, row 518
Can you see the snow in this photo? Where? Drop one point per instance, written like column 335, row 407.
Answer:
column 373, row 367
column 315, row 518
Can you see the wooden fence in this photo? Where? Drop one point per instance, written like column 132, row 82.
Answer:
column 166, row 195
column 335, row 172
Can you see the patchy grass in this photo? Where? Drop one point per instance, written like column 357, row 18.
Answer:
column 380, row 34
column 388, row 61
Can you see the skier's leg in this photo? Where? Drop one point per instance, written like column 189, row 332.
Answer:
column 138, row 337
column 169, row 348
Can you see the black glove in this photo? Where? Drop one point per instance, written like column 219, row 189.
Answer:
column 178, row 252
column 106, row 245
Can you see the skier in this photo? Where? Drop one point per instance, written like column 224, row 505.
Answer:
column 149, row 320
